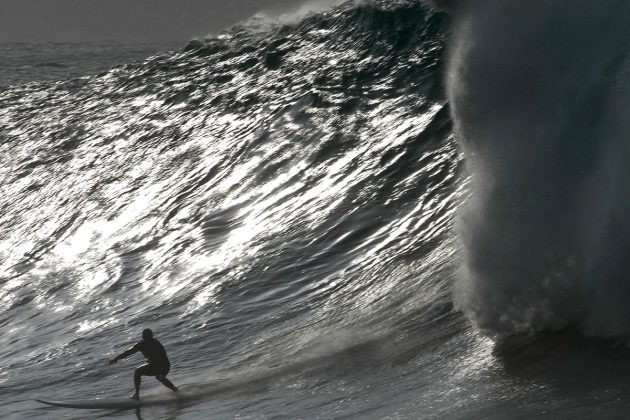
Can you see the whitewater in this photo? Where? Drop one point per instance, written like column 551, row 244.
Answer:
column 381, row 210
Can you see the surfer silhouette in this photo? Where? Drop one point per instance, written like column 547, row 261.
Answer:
column 157, row 364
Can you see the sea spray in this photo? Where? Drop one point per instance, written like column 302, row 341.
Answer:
column 539, row 95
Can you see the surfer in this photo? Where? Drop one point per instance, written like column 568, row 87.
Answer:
column 157, row 364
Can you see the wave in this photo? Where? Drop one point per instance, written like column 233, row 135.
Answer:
column 249, row 194
column 280, row 205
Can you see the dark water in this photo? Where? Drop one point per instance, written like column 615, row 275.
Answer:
column 279, row 204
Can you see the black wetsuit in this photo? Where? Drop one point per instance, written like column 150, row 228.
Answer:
column 157, row 360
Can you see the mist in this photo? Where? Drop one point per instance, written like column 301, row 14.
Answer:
column 539, row 93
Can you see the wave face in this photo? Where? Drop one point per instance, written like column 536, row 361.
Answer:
column 274, row 200
column 539, row 92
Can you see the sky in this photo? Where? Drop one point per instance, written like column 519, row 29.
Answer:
column 126, row 20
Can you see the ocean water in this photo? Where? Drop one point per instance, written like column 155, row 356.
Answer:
column 23, row 62
column 379, row 211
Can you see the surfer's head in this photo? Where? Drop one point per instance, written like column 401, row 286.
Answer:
column 147, row 334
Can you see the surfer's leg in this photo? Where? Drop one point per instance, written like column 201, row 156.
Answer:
column 136, row 382
column 137, row 379
column 166, row 382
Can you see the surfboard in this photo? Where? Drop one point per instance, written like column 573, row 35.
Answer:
column 113, row 403
column 117, row 403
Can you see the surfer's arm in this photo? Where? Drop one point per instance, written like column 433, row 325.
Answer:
column 124, row 354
